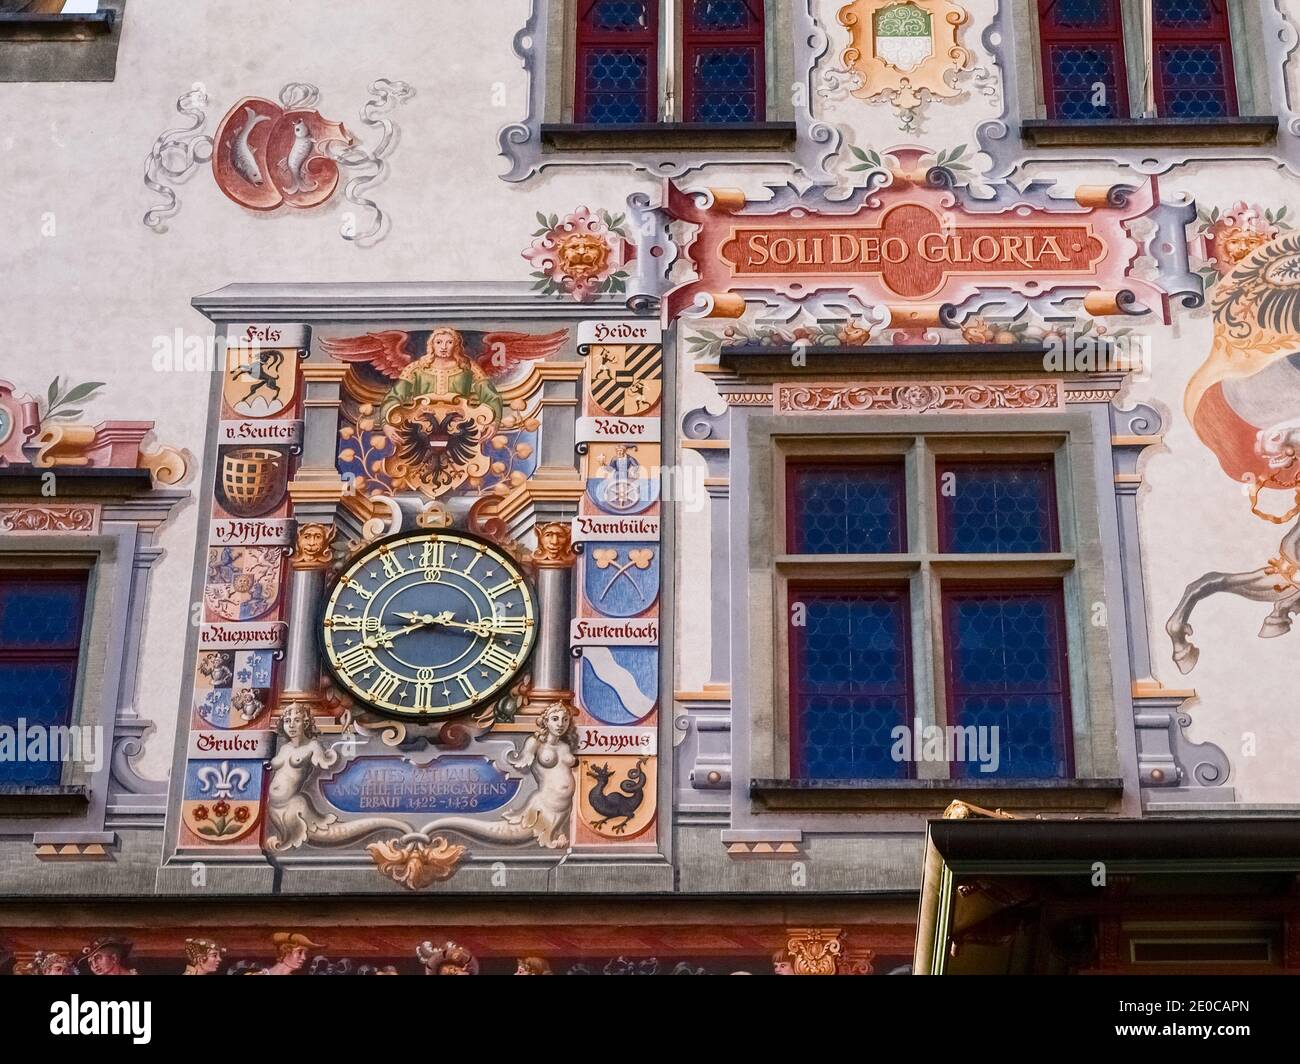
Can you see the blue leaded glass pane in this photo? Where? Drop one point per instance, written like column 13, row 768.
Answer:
column 1006, row 670
column 846, row 509
column 997, row 508
column 616, row 80
column 1184, row 14
column 1193, row 80
column 1081, row 14
column 725, row 85
column 34, row 695
column 1077, row 71
column 849, row 684
column 721, row 15
column 619, row 15
column 41, row 614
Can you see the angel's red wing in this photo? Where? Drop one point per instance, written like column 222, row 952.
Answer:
column 386, row 351
column 502, row 351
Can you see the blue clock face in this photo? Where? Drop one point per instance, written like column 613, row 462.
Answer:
column 429, row 625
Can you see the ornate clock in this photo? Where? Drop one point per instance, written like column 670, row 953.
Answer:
column 428, row 625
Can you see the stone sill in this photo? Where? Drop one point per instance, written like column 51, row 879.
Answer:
column 53, row 800
column 19, row 27
column 669, row 136
column 1251, row 130
column 925, row 796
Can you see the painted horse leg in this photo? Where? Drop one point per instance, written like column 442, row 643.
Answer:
column 1259, row 585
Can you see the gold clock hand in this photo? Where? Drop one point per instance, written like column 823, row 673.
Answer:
column 385, row 638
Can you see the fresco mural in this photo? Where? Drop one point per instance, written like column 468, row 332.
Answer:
column 1242, row 404
column 465, row 572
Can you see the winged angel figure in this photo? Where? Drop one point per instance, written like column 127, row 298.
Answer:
column 442, row 406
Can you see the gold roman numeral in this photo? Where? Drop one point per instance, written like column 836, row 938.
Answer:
column 431, row 554
column 357, row 660
column 392, row 565
column 384, row 686
column 496, row 658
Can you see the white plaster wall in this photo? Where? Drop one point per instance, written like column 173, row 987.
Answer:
column 87, row 288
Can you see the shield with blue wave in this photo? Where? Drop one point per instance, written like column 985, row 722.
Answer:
column 619, row 685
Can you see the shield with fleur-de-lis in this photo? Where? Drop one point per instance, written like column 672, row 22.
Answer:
column 621, row 579
column 222, row 799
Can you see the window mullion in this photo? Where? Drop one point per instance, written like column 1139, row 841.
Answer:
column 927, row 668
column 670, row 38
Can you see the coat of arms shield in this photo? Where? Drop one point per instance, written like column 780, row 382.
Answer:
column 904, row 37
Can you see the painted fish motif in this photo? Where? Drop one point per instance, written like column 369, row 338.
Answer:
column 241, row 152
column 299, row 153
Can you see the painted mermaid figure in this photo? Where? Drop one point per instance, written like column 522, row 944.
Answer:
column 550, row 755
column 292, row 816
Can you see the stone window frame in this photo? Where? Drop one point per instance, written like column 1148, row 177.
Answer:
column 1069, row 436
column 547, row 136
column 563, row 24
column 120, row 555
column 1246, row 30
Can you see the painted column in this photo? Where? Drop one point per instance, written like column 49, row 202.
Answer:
column 555, row 559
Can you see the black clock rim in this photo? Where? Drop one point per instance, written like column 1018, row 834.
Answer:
column 395, row 537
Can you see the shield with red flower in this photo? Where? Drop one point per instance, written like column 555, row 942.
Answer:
column 222, row 799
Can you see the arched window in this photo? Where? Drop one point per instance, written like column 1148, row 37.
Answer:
column 617, row 62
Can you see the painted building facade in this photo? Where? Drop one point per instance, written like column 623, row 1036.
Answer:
column 585, row 482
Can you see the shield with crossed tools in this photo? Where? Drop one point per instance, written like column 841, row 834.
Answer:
column 621, row 579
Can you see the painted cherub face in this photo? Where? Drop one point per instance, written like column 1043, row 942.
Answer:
column 442, row 344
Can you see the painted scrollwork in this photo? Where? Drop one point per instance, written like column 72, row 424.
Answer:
column 906, row 53
column 266, row 155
